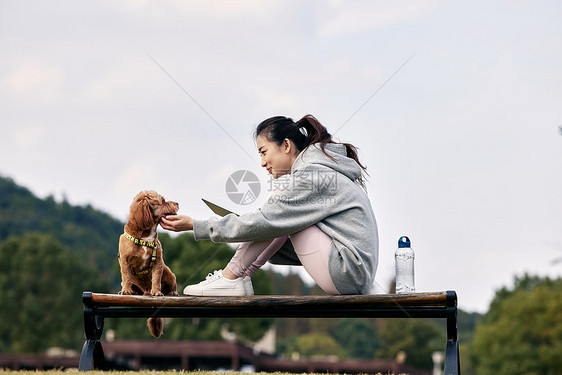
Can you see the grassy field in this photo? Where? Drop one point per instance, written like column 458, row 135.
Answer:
column 146, row 372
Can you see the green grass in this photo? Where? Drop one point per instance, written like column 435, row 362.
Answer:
column 144, row 372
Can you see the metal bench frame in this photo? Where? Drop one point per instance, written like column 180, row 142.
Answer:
column 98, row 306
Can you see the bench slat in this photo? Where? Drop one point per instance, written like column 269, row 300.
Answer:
column 265, row 302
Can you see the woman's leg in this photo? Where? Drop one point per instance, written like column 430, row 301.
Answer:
column 313, row 249
column 311, row 245
column 231, row 281
column 250, row 256
column 265, row 255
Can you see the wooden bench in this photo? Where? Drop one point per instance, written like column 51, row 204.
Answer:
column 98, row 306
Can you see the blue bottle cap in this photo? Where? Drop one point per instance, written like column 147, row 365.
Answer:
column 404, row 242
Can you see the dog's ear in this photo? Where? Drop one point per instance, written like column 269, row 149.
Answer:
column 141, row 214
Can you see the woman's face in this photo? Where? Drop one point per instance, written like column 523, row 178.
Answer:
column 278, row 160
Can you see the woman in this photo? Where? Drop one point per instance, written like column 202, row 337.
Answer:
column 319, row 217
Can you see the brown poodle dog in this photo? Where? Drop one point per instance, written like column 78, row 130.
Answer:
column 140, row 253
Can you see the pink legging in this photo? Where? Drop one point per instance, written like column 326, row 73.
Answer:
column 311, row 245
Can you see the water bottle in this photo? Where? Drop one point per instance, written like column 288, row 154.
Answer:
column 404, row 260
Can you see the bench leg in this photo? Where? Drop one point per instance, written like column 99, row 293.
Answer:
column 452, row 364
column 452, row 361
column 92, row 356
column 92, row 352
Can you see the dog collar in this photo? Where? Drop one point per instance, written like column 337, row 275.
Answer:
column 141, row 242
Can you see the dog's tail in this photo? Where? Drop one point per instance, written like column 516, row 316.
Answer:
column 155, row 326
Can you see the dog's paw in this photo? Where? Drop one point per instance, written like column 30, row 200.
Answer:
column 173, row 294
column 156, row 293
column 126, row 292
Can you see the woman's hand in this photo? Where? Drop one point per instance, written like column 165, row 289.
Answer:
column 177, row 223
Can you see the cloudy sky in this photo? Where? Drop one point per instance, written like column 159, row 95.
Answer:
column 454, row 105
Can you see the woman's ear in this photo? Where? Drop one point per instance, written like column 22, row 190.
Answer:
column 287, row 146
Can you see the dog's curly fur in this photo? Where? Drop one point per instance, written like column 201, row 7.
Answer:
column 147, row 209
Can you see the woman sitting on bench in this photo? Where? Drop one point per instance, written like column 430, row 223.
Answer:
column 319, row 217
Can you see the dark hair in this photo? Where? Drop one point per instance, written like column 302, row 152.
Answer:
column 308, row 130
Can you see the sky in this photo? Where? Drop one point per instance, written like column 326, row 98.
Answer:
column 455, row 106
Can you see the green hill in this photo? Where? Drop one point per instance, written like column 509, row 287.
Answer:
column 90, row 233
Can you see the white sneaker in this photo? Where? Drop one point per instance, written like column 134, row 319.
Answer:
column 248, row 287
column 217, row 285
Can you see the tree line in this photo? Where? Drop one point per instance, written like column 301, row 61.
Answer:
column 50, row 252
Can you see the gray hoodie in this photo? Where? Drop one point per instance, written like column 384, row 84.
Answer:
column 319, row 191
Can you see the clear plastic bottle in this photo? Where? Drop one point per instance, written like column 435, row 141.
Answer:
column 404, row 261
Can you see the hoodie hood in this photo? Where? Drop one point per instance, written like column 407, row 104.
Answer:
column 338, row 162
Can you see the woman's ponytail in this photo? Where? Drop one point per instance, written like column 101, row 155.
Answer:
column 316, row 132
